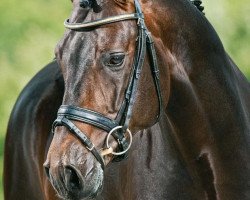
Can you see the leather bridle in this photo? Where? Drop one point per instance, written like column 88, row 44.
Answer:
column 119, row 126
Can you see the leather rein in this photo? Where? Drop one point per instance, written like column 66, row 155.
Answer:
column 119, row 126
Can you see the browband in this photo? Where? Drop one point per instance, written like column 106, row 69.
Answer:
column 99, row 22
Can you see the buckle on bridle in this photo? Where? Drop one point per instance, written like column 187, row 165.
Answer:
column 90, row 148
column 140, row 19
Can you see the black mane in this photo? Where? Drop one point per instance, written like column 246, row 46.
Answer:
column 198, row 3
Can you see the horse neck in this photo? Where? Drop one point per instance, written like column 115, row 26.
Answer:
column 209, row 98
column 203, row 79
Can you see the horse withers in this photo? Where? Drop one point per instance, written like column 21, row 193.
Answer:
column 151, row 72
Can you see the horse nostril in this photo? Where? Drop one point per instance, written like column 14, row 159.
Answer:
column 73, row 181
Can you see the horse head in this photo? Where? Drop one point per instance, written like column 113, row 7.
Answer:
column 112, row 88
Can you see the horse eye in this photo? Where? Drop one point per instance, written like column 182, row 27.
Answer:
column 115, row 60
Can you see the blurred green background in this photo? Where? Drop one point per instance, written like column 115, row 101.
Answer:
column 30, row 29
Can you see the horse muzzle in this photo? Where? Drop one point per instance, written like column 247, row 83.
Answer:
column 75, row 181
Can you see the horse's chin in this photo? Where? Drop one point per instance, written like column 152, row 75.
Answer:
column 96, row 193
column 92, row 187
column 90, row 196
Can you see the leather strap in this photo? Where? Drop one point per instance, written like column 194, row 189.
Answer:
column 100, row 22
column 87, row 116
column 155, row 70
column 138, row 63
column 63, row 121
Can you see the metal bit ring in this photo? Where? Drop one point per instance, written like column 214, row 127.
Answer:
column 130, row 140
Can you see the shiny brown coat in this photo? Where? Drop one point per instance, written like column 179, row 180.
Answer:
column 200, row 147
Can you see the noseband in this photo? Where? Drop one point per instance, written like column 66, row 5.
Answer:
column 119, row 126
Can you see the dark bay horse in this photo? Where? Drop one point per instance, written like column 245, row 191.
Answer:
column 196, row 147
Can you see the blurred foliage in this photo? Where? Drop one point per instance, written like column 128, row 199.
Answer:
column 31, row 29
column 29, row 32
column 231, row 20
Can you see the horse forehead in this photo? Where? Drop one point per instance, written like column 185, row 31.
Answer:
column 108, row 8
column 109, row 38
